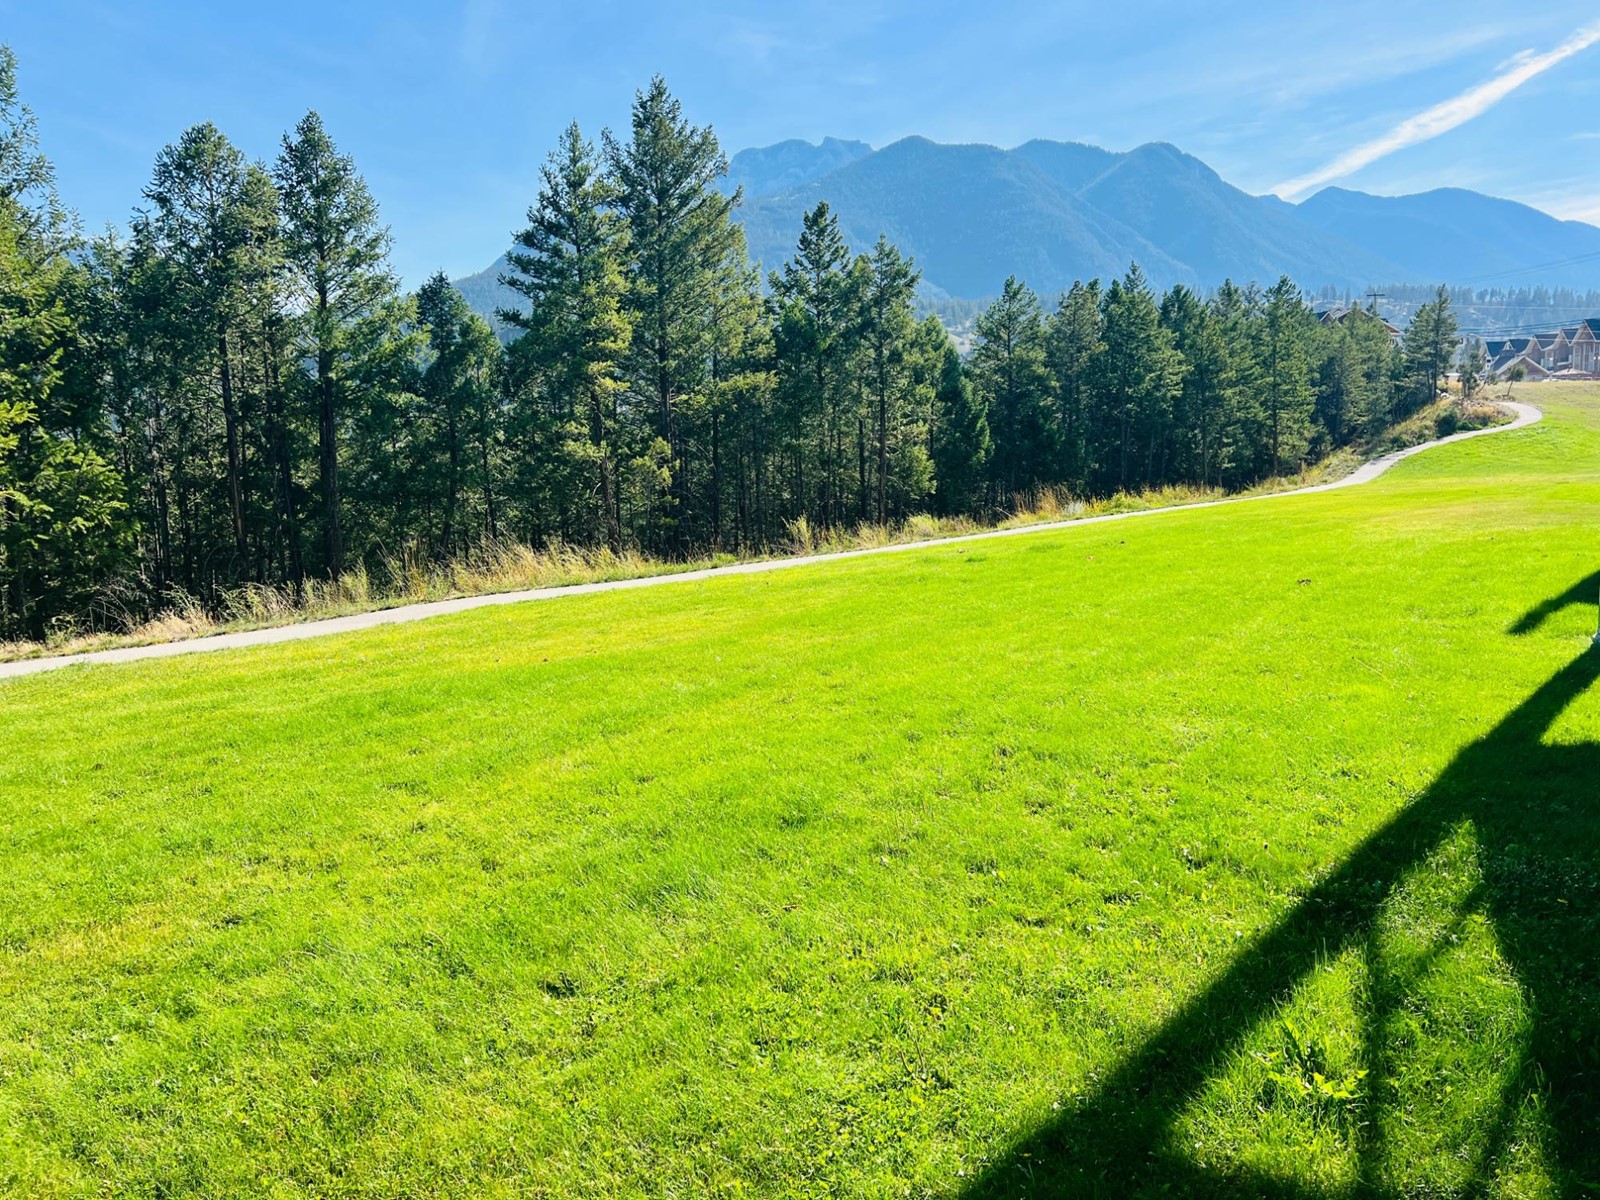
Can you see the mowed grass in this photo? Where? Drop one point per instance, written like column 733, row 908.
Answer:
column 1251, row 851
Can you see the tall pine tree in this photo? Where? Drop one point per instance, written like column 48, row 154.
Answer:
column 664, row 178
column 569, row 264
column 337, row 255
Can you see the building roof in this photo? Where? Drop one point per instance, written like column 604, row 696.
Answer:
column 1529, row 365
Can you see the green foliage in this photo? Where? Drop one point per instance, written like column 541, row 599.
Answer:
column 27, row 177
column 1429, row 349
column 460, row 439
column 1285, row 375
column 1074, row 346
column 570, row 266
column 1139, row 376
column 1011, row 375
column 63, row 522
column 1298, row 1069
column 350, row 317
column 961, row 441
column 680, row 237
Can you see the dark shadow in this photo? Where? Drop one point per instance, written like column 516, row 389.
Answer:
column 1534, row 810
column 1584, row 593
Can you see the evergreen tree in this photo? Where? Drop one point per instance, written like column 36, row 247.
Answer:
column 739, row 401
column 1140, row 377
column 570, row 264
column 815, row 334
column 1474, row 364
column 888, row 341
column 27, row 177
column 1074, row 344
column 961, row 441
column 664, row 179
column 1429, row 348
column 1204, row 409
column 1013, row 378
column 63, row 525
column 1287, row 398
column 337, row 256
column 206, row 212
column 461, row 428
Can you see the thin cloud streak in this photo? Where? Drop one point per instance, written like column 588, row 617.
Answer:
column 1442, row 118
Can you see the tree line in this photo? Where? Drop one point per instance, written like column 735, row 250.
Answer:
column 239, row 390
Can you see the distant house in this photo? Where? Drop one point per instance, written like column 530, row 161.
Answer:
column 1338, row 314
column 1532, row 368
column 1584, row 350
column 1572, row 352
column 1555, row 351
column 1506, row 352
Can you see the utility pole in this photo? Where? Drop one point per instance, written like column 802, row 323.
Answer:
column 1375, row 297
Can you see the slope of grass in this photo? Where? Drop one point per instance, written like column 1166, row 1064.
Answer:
column 1247, row 851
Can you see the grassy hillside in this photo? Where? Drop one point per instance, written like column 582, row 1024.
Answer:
column 1248, row 851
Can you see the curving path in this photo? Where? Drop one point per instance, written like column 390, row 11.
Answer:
column 1526, row 414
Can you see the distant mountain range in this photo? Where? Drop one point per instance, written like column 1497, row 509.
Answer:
column 1054, row 212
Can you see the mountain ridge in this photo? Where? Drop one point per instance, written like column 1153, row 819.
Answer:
column 1051, row 212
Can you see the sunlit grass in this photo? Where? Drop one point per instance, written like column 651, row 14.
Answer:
column 852, row 881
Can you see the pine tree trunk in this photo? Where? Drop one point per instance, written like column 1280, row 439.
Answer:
column 454, row 485
column 328, row 449
column 230, row 421
column 883, row 453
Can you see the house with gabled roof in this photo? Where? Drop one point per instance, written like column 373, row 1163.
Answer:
column 1512, row 350
column 1555, row 351
column 1572, row 352
column 1338, row 314
column 1584, row 358
column 1531, row 366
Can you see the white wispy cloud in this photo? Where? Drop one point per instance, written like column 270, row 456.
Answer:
column 1582, row 212
column 1444, row 117
column 1571, row 200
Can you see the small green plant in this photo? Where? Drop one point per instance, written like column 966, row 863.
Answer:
column 1299, row 1072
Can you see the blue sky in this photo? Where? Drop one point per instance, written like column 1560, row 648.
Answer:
column 450, row 106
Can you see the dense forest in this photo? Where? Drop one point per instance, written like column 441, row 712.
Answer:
column 238, row 391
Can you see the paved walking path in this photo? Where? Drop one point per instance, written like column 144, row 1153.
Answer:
column 1526, row 414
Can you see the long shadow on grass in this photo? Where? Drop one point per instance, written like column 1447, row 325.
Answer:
column 1534, row 810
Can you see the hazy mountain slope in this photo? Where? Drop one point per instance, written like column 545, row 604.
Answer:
column 769, row 169
column 485, row 294
column 969, row 215
column 1069, row 165
column 1462, row 237
column 1179, row 203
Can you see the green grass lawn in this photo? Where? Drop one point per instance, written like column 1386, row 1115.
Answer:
column 1251, row 851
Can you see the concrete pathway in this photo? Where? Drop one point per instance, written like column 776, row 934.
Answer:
column 1526, row 414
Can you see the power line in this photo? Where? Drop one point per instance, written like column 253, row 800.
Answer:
column 1560, row 262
